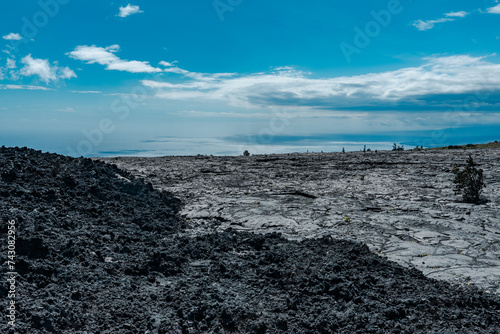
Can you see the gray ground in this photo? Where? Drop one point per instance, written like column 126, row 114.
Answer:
column 401, row 204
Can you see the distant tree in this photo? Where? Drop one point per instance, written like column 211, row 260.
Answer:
column 469, row 182
column 364, row 148
column 343, row 150
column 246, row 153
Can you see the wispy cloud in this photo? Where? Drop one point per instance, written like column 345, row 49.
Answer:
column 494, row 10
column 106, row 56
column 437, row 76
column 457, row 14
column 67, row 109
column 167, row 64
column 429, row 24
column 129, row 10
column 172, row 68
column 86, row 92
column 12, row 37
column 44, row 70
column 11, row 63
column 28, row 87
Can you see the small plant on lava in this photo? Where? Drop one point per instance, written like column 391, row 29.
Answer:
column 469, row 182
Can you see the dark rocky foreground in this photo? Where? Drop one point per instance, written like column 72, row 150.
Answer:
column 100, row 251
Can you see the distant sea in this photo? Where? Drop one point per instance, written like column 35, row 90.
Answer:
column 143, row 145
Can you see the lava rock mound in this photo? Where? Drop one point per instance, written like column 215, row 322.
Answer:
column 99, row 251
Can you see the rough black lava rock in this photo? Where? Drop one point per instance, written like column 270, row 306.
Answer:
column 100, row 251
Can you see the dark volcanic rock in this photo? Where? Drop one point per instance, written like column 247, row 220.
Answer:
column 100, row 251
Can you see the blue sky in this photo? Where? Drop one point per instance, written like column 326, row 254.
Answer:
column 145, row 77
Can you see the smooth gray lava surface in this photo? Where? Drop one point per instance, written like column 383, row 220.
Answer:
column 401, row 204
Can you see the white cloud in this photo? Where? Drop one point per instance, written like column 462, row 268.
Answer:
column 86, row 91
column 93, row 54
column 437, row 76
column 494, row 10
column 106, row 56
column 28, row 87
column 11, row 63
column 67, row 109
column 67, row 73
column 12, row 37
column 426, row 25
column 167, row 64
column 429, row 24
column 175, row 69
column 457, row 14
column 43, row 69
column 129, row 10
column 133, row 66
column 40, row 67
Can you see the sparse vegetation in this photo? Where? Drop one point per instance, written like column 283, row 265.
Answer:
column 469, row 182
column 494, row 144
column 395, row 147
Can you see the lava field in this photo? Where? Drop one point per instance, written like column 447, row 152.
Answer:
column 99, row 250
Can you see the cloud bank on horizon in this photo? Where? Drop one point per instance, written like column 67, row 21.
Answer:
column 437, row 76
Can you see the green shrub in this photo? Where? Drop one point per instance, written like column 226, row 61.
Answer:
column 469, row 182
